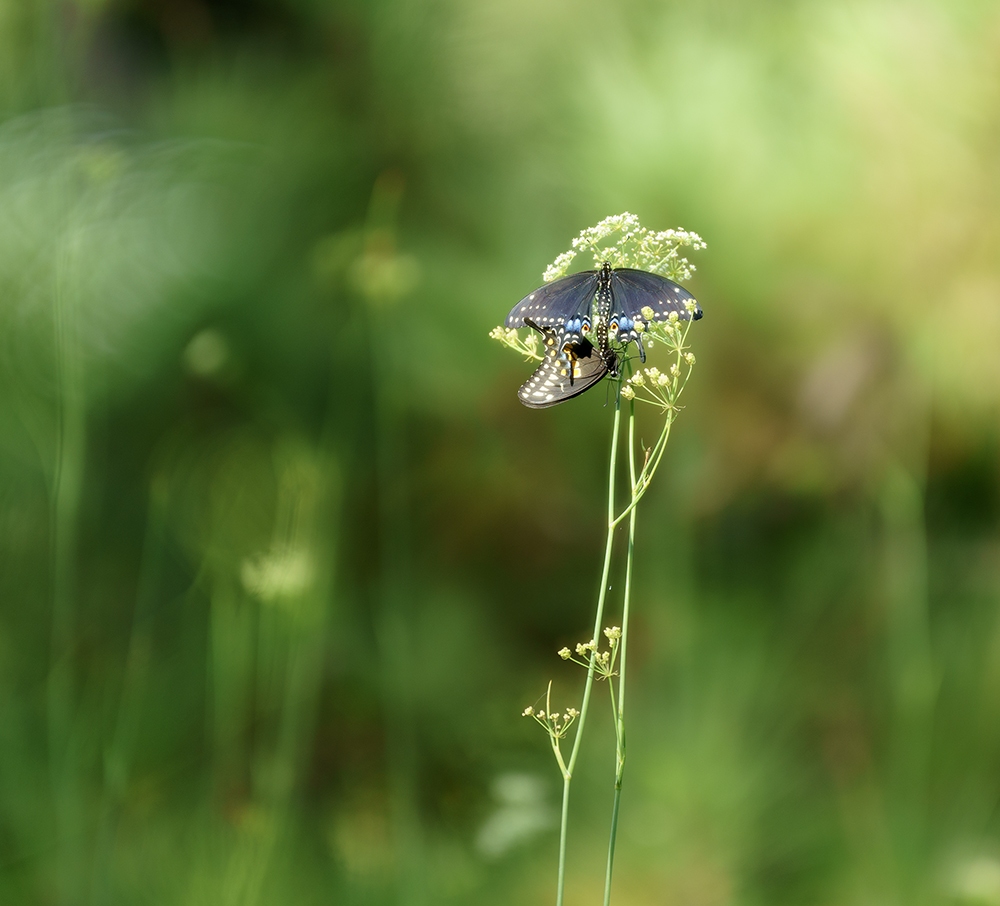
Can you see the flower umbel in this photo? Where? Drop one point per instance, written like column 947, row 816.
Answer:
column 555, row 723
column 604, row 661
column 650, row 385
column 624, row 242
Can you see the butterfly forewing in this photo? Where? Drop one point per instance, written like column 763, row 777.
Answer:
column 553, row 304
column 567, row 370
column 635, row 290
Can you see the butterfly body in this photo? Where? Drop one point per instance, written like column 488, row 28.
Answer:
column 607, row 303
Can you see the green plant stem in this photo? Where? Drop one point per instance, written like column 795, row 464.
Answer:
column 589, row 685
column 638, row 483
column 656, row 453
column 619, row 712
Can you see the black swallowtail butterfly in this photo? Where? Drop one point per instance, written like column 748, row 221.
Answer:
column 609, row 301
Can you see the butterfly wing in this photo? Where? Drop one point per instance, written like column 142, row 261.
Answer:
column 553, row 304
column 567, row 369
column 634, row 290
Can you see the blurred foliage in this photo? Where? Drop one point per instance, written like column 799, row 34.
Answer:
column 283, row 558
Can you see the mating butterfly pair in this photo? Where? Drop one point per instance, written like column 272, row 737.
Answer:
column 607, row 303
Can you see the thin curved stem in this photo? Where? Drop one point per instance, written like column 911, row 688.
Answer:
column 641, row 485
column 619, row 712
column 588, row 686
column 602, row 595
column 656, row 454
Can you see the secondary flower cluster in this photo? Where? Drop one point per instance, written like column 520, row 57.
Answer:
column 635, row 246
column 604, row 661
column 527, row 345
column 650, row 385
column 555, row 723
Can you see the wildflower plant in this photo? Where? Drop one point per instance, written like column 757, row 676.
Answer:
column 622, row 242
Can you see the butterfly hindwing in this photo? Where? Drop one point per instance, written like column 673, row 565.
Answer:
column 635, row 290
column 567, row 369
column 553, row 304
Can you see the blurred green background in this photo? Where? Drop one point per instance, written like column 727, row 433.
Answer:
column 283, row 557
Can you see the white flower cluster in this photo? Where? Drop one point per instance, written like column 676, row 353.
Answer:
column 277, row 574
column 559, row 267
column 634, row 246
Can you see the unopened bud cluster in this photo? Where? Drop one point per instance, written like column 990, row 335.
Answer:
column 585, row 652
column 663, row 389
column 555, row 723
column 526, row 345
